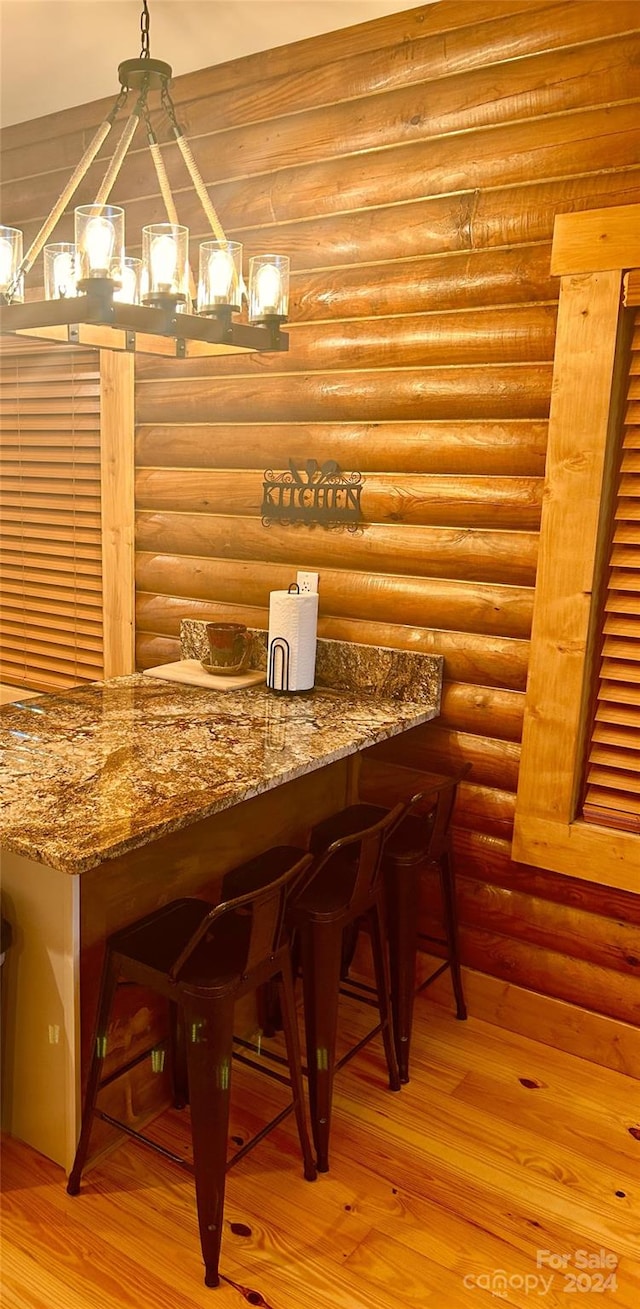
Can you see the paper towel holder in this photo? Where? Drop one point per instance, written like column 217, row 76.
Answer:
column 279, row 647
column 279, row 663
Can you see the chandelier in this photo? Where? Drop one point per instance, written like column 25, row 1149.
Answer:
column 97, row 295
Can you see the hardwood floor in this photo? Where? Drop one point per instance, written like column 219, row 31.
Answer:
column 501, row 1160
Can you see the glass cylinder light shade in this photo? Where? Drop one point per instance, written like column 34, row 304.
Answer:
column 268, row 287
column 220, row 275
column 99, row 231
column 60, row 271
column 129, row 292
column 165, row 259
column 10, row 260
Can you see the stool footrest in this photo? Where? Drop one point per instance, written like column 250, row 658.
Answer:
column 184, row 1163
column 432, row 976
column 144, row 1140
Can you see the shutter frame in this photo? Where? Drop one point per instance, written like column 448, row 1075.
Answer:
column 612, row 780
column 50, row 502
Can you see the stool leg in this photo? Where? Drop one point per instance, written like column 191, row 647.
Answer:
column 378, row 949
column 290, row 1025
column 402, row 895
column 447, row 881
column 178, row 1057
column 321, row 949
column 349, row 944
column 108, row 984
column 209, row 1032
column 269, row 1012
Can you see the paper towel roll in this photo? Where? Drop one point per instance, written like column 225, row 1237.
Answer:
column 291, row 651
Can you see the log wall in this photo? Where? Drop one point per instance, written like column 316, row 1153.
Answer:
column 413, row 168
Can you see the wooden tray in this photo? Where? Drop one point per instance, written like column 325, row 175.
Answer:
column 191, row 673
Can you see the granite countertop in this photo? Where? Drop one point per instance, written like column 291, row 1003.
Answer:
column 96, row 772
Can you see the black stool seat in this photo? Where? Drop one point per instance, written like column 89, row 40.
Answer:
column 202, row 958
column 213, row 966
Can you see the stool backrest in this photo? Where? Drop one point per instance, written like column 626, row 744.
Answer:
column 369, row 845
column 266, row 906
column 433, row 807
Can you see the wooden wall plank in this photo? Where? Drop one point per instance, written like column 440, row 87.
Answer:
column 509, row 502
column 483, row 660
column 513, row 447
column 433, row 749
column 491, row 336
column 505, row 557
column 517, row 914
column 486, row 158
column 460, row 281
column 501, row 391
column 476, row 607
column 549, row 972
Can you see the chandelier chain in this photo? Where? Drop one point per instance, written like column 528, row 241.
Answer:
column 120, row 100
column 144, row 28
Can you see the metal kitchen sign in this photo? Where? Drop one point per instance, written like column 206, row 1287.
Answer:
column 312, row 494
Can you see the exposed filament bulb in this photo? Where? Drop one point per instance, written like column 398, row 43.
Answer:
column 268, row 289
column 164, row 259
column 99, row 240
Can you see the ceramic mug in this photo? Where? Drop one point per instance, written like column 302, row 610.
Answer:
column 228, row 648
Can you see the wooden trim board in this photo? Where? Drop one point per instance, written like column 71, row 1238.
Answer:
column 587, row 398
column 596, row 240
column 117, row 478
column 594, row 1037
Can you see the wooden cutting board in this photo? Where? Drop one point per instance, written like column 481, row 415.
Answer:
column 191, row 672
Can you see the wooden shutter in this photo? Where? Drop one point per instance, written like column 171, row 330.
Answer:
column 50, row 535
column 613, row 773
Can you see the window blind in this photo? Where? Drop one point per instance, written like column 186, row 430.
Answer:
column 50, row 534
column 613, row 772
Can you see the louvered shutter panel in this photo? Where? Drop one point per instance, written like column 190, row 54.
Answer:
column 613, row 772
column 50, row 533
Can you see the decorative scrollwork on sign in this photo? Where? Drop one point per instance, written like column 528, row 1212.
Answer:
column 312, row 495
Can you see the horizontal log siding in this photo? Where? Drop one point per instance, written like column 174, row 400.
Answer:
column 413, row 168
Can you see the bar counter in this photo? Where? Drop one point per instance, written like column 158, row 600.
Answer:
column 121, row 795
column 101, row 770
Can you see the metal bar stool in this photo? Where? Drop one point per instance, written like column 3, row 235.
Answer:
column 419, row 840
column 202, row 959
column 344, row 885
